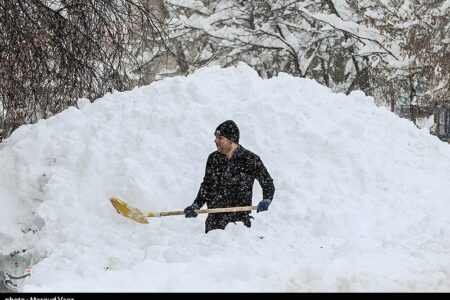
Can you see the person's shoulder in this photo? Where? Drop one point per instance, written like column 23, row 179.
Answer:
column 214, row 155
column 249, row 154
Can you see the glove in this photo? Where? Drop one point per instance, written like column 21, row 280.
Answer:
column 263, row 205
column 189, row 211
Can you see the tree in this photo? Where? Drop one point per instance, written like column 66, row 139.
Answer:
column 415, row 82
column 53, row 52
column 312, row 38
column 394, row 50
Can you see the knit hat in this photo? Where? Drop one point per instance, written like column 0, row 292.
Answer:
column 229, row 130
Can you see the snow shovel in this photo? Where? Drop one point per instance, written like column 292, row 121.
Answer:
column 137, row 215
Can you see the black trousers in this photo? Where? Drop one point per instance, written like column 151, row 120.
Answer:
column 221, row 220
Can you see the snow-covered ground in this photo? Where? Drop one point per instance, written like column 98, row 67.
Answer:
column 362, row 197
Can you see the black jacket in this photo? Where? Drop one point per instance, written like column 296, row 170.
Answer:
column 229, row 183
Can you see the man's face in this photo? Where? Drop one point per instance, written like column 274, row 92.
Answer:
column 223, row 144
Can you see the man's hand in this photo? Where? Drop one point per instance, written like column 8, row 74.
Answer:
column 263, row 205
column 189, row 212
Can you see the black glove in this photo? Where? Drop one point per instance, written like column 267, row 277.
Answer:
column 189, row 211
column 263, row 205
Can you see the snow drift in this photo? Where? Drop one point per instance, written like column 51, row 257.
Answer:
column 361, row 201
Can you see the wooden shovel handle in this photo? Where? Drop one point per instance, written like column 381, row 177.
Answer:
column 201, row 211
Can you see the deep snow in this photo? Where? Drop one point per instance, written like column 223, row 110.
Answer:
column 361, row 203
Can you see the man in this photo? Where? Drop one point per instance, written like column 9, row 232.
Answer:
column 228, row 181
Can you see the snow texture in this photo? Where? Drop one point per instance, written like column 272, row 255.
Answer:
column 361, row 201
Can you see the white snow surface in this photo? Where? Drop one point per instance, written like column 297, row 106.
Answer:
column 362, row 197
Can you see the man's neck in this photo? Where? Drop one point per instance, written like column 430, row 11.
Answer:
column 230, row 153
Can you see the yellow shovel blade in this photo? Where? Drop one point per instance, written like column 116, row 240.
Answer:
column 128, row 211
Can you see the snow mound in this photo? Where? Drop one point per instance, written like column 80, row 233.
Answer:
column 361, row 195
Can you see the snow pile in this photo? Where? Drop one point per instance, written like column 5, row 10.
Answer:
column 361, row 201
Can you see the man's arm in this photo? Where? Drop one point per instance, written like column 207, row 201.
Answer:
column 264, row 179
column 204, row 192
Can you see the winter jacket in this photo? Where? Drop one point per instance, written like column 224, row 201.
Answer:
column 229, row 183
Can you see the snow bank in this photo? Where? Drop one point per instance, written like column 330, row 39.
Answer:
column 361, row 201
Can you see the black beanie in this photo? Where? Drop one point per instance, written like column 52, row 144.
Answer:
column 229, row 130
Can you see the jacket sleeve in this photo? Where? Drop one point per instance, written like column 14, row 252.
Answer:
column 264, row 179
column 206, row 187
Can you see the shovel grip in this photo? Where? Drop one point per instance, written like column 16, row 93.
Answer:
column 201, row 211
